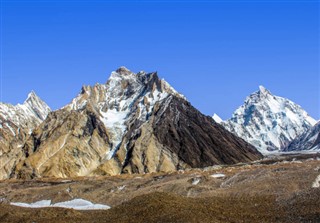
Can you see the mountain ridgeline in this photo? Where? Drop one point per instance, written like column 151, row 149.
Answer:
column 269, row 122
column 134, row 123
column 16, row 124
column 309, row 140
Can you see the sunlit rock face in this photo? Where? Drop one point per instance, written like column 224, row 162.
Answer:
column 16, row 124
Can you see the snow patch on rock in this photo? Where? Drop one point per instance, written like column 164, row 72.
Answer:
column 218, row 175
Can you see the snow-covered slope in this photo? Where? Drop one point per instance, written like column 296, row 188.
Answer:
column 217, row 118
column 27, row 115
column 269, row 122
column 309, row 140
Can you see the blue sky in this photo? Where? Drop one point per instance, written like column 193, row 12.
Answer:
column 214, row 52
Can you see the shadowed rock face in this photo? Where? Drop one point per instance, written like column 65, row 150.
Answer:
column 197, row 139
column 135, row 123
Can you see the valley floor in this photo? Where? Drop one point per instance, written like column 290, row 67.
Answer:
column 278, row 189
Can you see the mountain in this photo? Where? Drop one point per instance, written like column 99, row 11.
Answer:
column 16, row 123
column 268, row 122
column 135, row 123
column 309, row 140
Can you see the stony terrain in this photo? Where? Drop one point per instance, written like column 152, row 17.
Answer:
column 275, row 189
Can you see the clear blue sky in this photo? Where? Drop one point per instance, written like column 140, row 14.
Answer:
column 214, row 52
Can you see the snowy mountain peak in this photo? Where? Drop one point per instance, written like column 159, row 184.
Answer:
column 263, row 90
column 35, row 105
column 24, row 116
column 262, row 94
column 126, row 96
column 269, row 122
column 31, row 95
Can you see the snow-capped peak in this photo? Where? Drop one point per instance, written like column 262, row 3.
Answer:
column 268, row 122
column 263, row 90
column 32, row 95
column 38, row 107
column 125, row 96
column 27, row 115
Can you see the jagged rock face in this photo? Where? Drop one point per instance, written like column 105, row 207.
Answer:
column 269, row 122
column 16, row 123
column 135, row 123
column 309, row 140
column 66, row 144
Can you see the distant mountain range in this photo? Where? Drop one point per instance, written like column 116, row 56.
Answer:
column 135, row 123
column 138, row 123
column 270, row 122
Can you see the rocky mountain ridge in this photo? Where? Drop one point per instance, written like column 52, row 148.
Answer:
column 310, row 140
column 135, row 123
column 16, row 124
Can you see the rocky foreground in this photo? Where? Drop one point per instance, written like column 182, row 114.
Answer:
column 278, row 189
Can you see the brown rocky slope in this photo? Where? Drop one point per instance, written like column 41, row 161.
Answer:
column 16, row 123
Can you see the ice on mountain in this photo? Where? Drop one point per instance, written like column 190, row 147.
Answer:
column 268, row 122
column 27, row 115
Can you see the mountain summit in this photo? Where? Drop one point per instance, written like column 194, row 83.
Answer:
column 135, row 123
column 27, row 115
column 16, row 123
column 268, row 122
